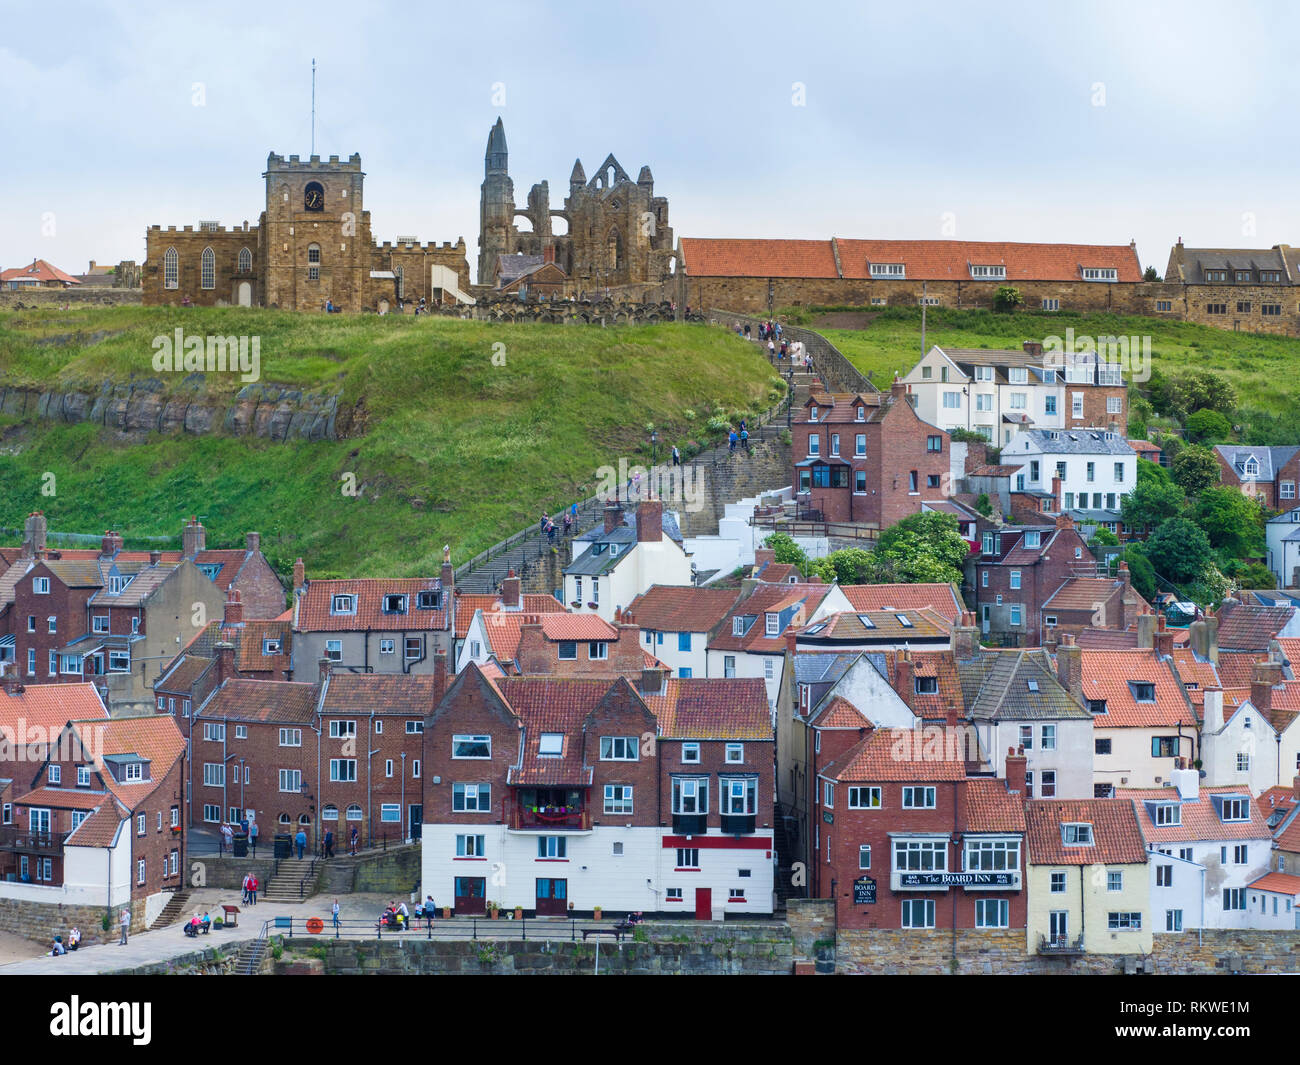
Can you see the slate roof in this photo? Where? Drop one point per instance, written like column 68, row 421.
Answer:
column 942, row 598
column 313, row 613
column 512, row 267
column 1075, row 442
column 1200, row 821
column 669, row 526
column 1270, row 459
column 1015, row 684
column 1117, row 836
column 409, row 694
column 895, row 755
column 714, row 708
column 1107, row 675
column 822, row 667
column 1197, row 260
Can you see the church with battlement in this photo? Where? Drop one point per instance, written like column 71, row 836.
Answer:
column 311, row 248
column 617, row 231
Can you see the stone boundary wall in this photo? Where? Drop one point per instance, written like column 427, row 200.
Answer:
column 568, row 312
column 42, row 921
column 11, row 300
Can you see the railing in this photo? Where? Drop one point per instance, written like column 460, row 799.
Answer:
column 524, row 819
column 469, row 927
column 16, row 839
column 1060, row 945
column 837, row 373
column 838, row 530
column 248, row 965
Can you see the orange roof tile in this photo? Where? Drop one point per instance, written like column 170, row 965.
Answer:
column 950, row 260
column 893, row 754
column 942, row 598
column 840, row 713
column 1279, row 883
column 715, row 708
column 667, row 608
column 49, row 706
column 314, row 607
column 711, row 257
column 991, row 808
column 469, row 602
column 1200, row 821
column 566, row 626
column 1108, row 675
column 40, row 271
column 1117, row 836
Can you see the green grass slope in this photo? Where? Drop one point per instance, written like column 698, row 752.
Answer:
column 453, row 448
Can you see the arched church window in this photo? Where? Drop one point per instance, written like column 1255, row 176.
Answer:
column 245, row 261
column 313, row 262
column 171, row 269
column 208, row 274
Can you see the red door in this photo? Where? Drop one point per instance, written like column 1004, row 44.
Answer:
column 552, row 897
column 469, row 895
column 704, row 904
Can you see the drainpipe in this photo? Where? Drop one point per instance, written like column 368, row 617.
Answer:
column 1200, row 932
column 1083, row 910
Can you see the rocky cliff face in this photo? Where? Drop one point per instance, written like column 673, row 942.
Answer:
column 143, row 407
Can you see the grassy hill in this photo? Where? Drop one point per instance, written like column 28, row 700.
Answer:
column 1261, row 368
column 452, row 448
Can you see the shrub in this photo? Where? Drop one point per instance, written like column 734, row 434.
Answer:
column 1007, row 298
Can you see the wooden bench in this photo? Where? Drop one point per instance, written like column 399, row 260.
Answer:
column 231, row 916
column 616, row 932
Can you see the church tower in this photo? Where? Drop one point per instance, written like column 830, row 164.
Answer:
column 496, row 205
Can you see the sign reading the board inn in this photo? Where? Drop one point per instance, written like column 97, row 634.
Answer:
column 864, row 891
column 1009, row 880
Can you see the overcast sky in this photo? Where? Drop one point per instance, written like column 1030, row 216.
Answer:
column 1095, row 123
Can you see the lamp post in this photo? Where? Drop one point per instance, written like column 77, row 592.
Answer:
column 654, row 445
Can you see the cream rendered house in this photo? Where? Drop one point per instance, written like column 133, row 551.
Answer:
column 1089, row 887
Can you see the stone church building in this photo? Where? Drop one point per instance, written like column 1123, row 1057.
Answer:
column 618, row 232
column 312, row 244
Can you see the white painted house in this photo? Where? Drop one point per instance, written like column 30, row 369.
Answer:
column 614, row 563
column 1282, row 540
column 1097, row 468
column 1239, row 746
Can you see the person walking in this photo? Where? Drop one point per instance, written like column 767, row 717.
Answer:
column 335, row 912
column 568, row 525
column 329, row 843
column 252, row 889
column 252, row 837
column 300, row 841
column 352, row 841
column 550, row 530
column 125, row 922
column 677, row 456
column 429, row 910
column 248, row 879
column 731, row 440
column 744, row 439
column 227, row 838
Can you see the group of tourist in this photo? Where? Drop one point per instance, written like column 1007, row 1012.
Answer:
column 74, row 941
column 250, row 889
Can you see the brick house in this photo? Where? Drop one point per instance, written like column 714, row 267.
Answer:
column 1082, row 603
column 115, row 786
column 556, row 644
column 678, row 623
column 591, row 788
column 395, row 625
column 908, row 840
column 509, row 600
column 867, row 457
column 1016, row 570
column 1268, row 474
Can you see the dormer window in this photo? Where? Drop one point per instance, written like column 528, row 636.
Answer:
column 1167, row 814
column 132, row 771
column 1144, row 691
column 1033, row 538
column 862, row 414
column 773, row 624
column 1076, row 834
column 394, row 604
column 117, row 584
column 1250, row 468
column 983, row 373
column 1234, row 808
column 926, row 685
column 988, row 273
column 738, row 626
column 1018, row 375
column 1096, row 706
column 888, row 270
column 812, row 413
column 270, row 646
column 1100, row 273
column 428, row 600
column 343, row 604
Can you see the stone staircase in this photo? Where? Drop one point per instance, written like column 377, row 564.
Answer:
column 783, row 887
column 288, row 880
column 249, row 958
column 171, row 913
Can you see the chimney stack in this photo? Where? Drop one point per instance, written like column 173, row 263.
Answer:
column 791, row 639
column 510, row 592
column 613, row 515
column 1164, row 637
column 1069, row 666
column 439, row 676
column 897, row 388
column 905, row 678
column 12, row 684
column 1146, row 624
column 253, row 542
column 155, row 557
column 225, row 661
column 965, row 640
column 299, row 574
column 1033, row 347
column 34, row 533
column 652, row 680
column 193, row 538
column 234, row 612
column 650, row 521
column 1212, row 710
column 108, row 544
column 325, row 666
column 1056, row 493
column 448, row 577
column 1186, row 780
column 1295, row 783
column 1015, row 771
column 1266, row 675
column 763, row 556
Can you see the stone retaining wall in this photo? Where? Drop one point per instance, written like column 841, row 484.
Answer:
column 42, row 921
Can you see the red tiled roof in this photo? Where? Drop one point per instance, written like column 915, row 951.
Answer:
column 576, row 627
column 1250, row 628
column 100, row 828
column 1237, row 668
column 893, row 754
column 1289, row 838
column 289, row 702
column 840, row 713
column 531, row 603
column 924, row 260
column 938, row 664
column 38, row 270
column 712, row 257
column 763, row 599
column 1278, row 883
column 1106, row 675
column 847, row 626
column 666, row 608
column 314, row 606
column 551, row 705
column 1280, row 798
column 1117, row 836
column 410, row 694
column 50, row 706
column 1199, row 819
column 776, row 572
column 991, row 808
column 63, row 798
column 1082, row 593
column 715, row 708
column 156, row 739
column 249, row 657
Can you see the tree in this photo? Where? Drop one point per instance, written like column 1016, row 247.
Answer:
column 1179, row 550
column 922, row 547
column 787, row 551
column 1103, row 537
column 1207, row 426
column 1149, row 274
column 1195, row 469
column 1203, row 390
column 852, row 565
column 1154, row 500
column 1140, row 571
column 1007, row 298
column 1232, row 521
column 984, row 505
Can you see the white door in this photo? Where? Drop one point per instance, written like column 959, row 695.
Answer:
column 245, row 294
column 984, row 619
column 1058, row 930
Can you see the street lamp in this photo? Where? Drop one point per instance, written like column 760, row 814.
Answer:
column 654, row 445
